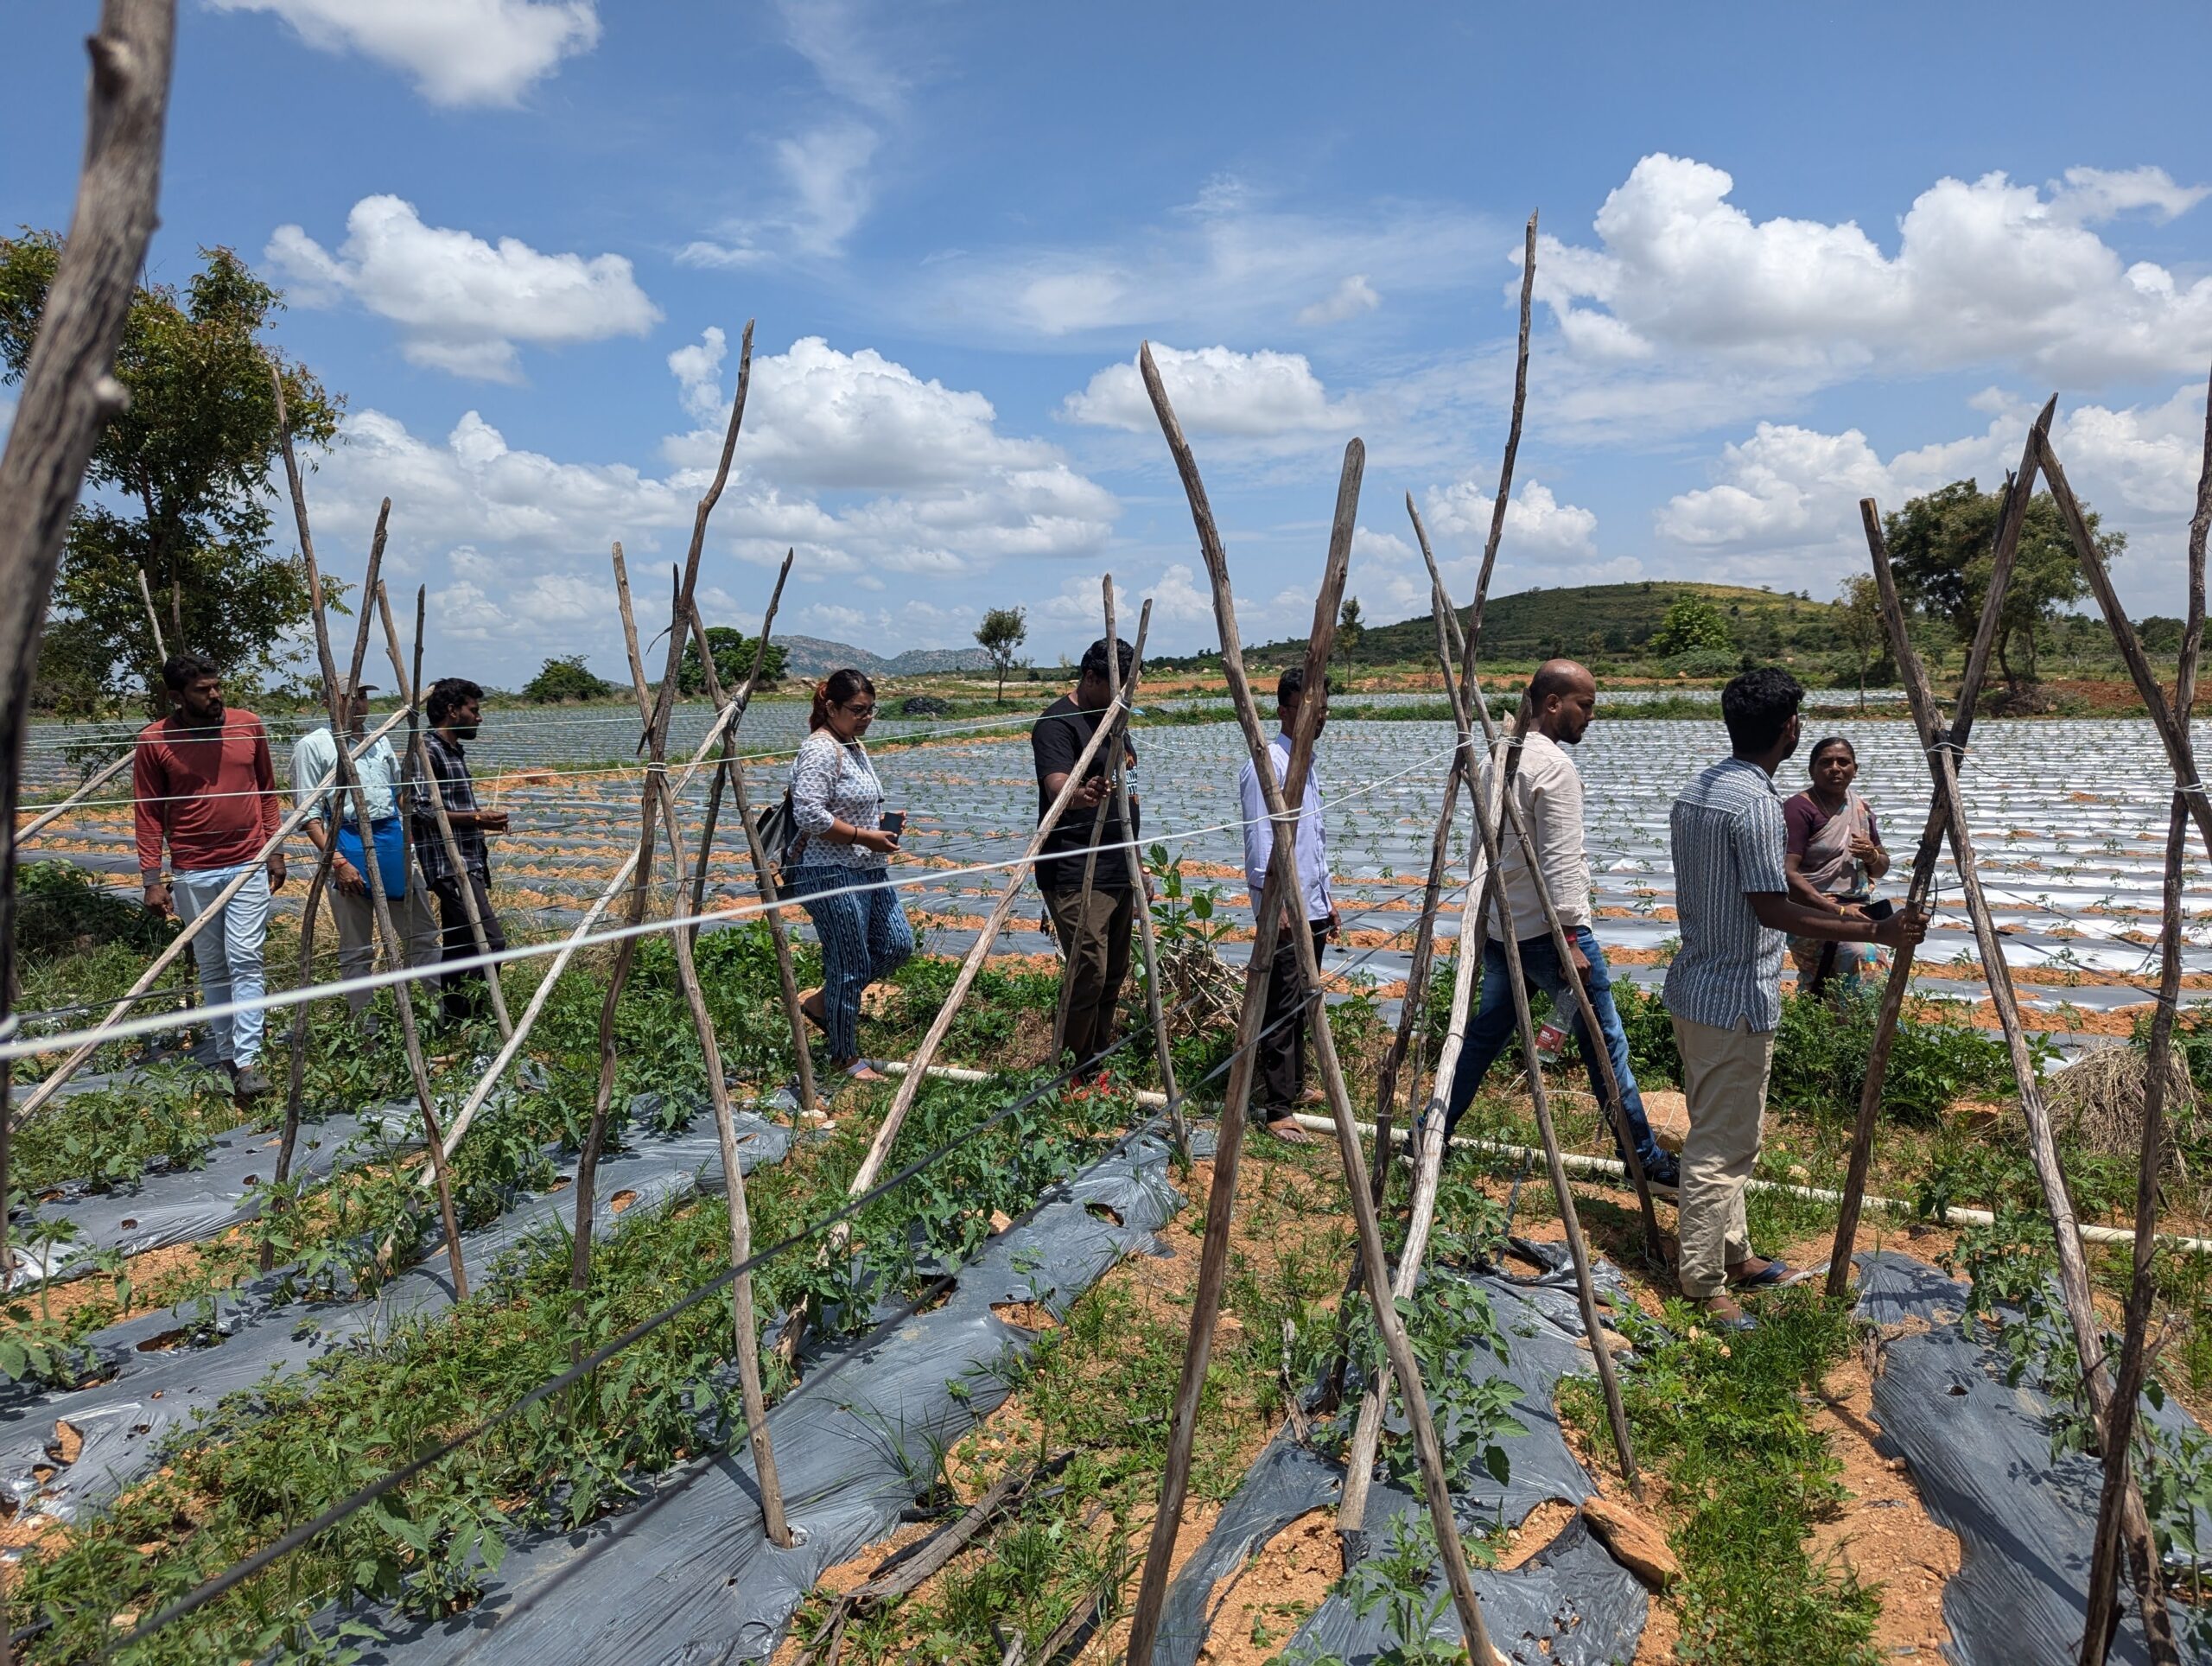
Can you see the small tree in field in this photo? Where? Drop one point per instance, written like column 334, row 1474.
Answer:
column 1003, row 630
column 1858, row 620
column 1349, row 629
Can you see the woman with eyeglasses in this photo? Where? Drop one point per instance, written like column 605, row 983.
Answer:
column 839, row 865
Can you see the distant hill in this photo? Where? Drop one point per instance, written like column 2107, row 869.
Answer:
column 814, row 656
column 1593, row 620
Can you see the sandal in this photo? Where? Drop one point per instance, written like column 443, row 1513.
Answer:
column 1287, row 1129
column 809, row 1011
column 1723, row 1314
column 1775, row 1274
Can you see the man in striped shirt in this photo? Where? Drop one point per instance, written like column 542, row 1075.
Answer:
column 1724, row 988
column 455, row 707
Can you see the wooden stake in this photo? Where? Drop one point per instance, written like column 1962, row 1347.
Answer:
column 69, row 395
column 419, row 760
column 2180, row 751
column 2134, row 1356
column 702, row 1024
column 1146, row 945
column 1283, row 869
column 2019, row 489
column 641, row 864
column 2042, row 1145
column 349, row 782
column 53, row 813
column 732, row 769
column 295, row 1082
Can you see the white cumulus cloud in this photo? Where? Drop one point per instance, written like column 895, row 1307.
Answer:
column 1251, row 396
column 1986, row 271
column 1348, row 300
column 458, row 52
column 1538, row 526
column 462, row 304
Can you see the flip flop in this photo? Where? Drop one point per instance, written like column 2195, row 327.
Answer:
column 1775, row 1274
column 807, row 1011
column 1287, row 1130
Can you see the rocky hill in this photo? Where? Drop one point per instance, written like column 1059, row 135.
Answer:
column 814, row 656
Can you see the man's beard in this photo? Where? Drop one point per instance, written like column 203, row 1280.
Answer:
column 464, row 731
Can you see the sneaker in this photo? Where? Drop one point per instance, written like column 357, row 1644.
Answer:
column 250, row 1083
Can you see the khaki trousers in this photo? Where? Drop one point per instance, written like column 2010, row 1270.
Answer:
column 1096, row 949
column 356, row 936
column 1724, row 1080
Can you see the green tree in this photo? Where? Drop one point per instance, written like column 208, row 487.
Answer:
column 1691, row 625
column 1349, row 629
column 1941, row 547
column 1003, row 630
column 733, row 654
column 1858, row 621
column 566, row 678
column 179, row 484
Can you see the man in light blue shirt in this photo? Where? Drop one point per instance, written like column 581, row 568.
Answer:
column 1724, row 988
column 1282, row 1037
column 313, row 759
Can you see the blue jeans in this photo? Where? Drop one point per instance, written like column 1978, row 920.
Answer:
column 1495, row 1025
column 228, row 952
column 864, row 936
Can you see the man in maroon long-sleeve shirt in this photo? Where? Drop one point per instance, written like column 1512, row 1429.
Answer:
column 205, row 785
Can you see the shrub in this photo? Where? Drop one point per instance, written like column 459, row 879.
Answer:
column 566, row 678
column 63, row 909
column 1700, row 662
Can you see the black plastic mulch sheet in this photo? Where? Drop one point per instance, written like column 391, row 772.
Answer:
column 1572, row 1605
column 164, row 1369
column 688, row 1575
column 1979, row 1454
column 183, row 1205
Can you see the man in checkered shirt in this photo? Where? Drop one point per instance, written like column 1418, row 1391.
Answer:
column 1724, row 988
column 454, row 709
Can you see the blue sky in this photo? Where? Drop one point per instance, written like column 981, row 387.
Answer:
column 1791, row 258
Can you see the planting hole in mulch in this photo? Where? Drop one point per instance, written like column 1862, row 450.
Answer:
column 621, row 1201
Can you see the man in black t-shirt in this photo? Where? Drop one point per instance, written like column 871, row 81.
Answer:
column 1093, row 938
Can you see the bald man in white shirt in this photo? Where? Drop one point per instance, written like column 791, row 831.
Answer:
column 1562, row 701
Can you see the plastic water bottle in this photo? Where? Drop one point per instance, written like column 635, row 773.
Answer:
column 1550, row 1038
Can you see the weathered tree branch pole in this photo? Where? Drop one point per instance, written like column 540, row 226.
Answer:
column 723, row 724
column 69, row 395
column 419, row 760
column 2134, row 1354
column 1359, row 1462
column 2042, row 1145
column 295, row 1087
column 349, row 782
column 731, row 769
column 748, row 1338
column 2174, row 732
column 1282, row 869
column 2019, row 489
column 654, row 742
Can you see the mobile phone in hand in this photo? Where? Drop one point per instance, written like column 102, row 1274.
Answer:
column 894, row 823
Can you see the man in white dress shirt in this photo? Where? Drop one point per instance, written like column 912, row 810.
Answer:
column 1282, row 1039
column 1562, row 701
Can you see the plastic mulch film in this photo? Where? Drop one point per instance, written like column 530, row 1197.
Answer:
column 1572, row 1605
column 184, row 1206
column 688, row 1575
column 164, row 1372
column 1979, row 1454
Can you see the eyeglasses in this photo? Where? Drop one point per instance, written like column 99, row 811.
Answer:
column 868, row 711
